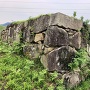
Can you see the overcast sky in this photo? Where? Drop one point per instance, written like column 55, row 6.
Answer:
column 13, row 10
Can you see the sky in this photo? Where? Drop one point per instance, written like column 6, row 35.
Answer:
column 15, row 10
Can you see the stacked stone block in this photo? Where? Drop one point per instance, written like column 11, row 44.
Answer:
column 53, row 38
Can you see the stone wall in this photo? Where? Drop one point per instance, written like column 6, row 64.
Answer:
column 53, row 38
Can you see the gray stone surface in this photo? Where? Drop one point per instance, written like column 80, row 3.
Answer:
column 65, row 21
column 56, row 36
column 47, row 50
column 17, row 33
column 40, row 24
column 4, row 35
column 44, row 61
column 26, row 23
column 75, row 40
column 26, row 35
column 31, row 51
column 72, row 79
column 59, row 58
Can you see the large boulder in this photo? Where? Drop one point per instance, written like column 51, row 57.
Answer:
column 40, row 24
column 56, row 36
column 59, row 58
column 65, row 21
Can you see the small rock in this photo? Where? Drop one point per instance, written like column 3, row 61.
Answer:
column 47, row 50
column 39, row 37
column 71, row 79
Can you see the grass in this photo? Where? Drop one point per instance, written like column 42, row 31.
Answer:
column 20, row 73
column 2, row 27
column 17, row 72
column 19, row 22
column 30, row 18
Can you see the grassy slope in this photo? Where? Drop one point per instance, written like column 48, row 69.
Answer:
column 20, row 73
column 2, row 27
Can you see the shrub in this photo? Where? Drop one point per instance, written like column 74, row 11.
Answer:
column 20, row 73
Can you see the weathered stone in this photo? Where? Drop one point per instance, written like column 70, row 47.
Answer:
column 72, row 79
column 26, row 35
column 56, row 36
column 11, row 32
column 4, row 35
column 17, row 33
column 32, row 36
column 44, row 61
column 39, row 37
column 14, row 32
column 25, row 23
column 65, row 21
column 59, row 58
column 47, row 50
column 21, row 26
column 75, row 40
column 31, row 51
column 17, row 36
column 40, row 47
column 71, row 32
column 67, row 30
column 40, row 24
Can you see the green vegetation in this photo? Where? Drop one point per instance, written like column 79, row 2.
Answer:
column 33, row 18
column 80, row 60
column 82, row 18
column 74, row 14
column 17, row 72
column 30, row 18
column 19, row 22
column 86, row 32
column 2, row 27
